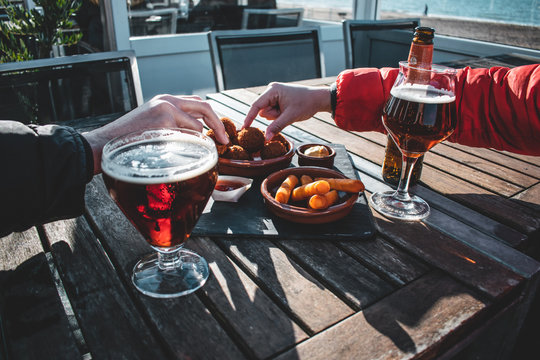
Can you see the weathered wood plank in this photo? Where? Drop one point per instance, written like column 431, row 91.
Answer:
column 306, row 298
column 530, row 198
column 346, row 276
column 387, row 259
column 402, row 325
column 261, row 324
column 108, row 318
column 450, row 255
column 185, row 324
column 503, row 210
column 33, row 318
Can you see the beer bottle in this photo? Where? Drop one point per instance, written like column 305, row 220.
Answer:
column 420, row 55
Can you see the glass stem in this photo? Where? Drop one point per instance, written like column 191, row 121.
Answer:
column 402, row 192
column 168, row 260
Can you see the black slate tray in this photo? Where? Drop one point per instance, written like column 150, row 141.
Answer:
column 249, row 216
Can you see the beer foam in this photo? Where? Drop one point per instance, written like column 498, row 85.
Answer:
column 173, row 158
column 422, row 93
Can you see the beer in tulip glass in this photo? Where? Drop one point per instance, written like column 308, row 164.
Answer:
column 418, row 115
column 162, row 179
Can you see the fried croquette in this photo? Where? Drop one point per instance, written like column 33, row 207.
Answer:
column 251, row 139
column 273, row 149
column 236, row 152
column 281, row 139
column 221, row 148
column 230, row 129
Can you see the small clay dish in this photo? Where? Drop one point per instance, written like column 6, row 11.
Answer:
column 256, row 168
column 231, row 188
column 300, row 214
column 326, row 161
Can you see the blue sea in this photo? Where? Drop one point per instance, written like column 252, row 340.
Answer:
column 525, row 12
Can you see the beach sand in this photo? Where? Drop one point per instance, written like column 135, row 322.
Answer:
column 496, row 32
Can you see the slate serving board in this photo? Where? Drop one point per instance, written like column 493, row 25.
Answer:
column 250, row 217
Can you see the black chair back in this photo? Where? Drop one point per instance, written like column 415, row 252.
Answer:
column 79, row 90
column 244, row 58
column 377, row 43
column 270, row 18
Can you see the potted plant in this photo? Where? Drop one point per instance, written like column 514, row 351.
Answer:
column 32, row 33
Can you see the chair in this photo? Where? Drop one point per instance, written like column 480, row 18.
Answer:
column 82, row 91
column 269, row 18
column 153, row 22
column 377, row 43
column 244, row 58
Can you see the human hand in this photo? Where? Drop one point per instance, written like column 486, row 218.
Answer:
column 288, row 103
column 162, row 111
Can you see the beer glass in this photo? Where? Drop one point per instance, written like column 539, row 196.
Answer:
column 162, row 179
column 418, row 115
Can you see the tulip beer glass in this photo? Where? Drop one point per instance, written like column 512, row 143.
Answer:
column 418, row 115
column 162, row 179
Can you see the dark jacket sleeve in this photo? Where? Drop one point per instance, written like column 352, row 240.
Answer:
column 44, row 173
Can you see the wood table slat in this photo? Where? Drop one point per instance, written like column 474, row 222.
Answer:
column 401, row 326
column 262, row 325
column 450, row 255
column 529, row 198
column 312, row 303
column 344, row 274
column 33, row 318
column 107, row 314
column 386, row 259
column 503, row 210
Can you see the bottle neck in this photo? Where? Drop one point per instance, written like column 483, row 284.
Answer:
column 421, row 55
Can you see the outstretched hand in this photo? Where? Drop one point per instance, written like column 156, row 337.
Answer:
column 286, row 104
column 162, row 111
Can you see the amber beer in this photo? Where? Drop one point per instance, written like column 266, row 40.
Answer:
column 418, row 117
column 162, row 186
column 420, row 56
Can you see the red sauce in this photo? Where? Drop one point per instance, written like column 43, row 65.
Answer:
column 227, row 185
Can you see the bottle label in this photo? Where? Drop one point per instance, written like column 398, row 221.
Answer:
column 421, row 55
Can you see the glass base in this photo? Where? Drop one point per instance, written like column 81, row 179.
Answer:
column 188, row 274
column 390, row 206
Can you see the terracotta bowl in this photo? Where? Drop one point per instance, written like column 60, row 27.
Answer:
column 300, row 214
column 324, row 161
column 256, row 168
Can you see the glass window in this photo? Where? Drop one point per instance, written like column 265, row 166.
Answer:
column 159, row 17
column 327, row 10
column 500, row 21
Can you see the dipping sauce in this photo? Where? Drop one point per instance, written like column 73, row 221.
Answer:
column 317, row 151
column 228, row 185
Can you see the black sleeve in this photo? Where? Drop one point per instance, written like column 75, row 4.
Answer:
column 333, row 98
column 44, row 174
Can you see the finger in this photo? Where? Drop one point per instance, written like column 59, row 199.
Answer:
column 197, row 108
column 250, row 116
column 270, row 113
column 276, row 126
column 265, row 100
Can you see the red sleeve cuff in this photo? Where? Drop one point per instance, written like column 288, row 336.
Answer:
column 360, row 97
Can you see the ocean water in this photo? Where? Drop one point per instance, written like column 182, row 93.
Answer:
column 525, row 12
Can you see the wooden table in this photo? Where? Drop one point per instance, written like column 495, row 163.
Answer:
column 459, row 283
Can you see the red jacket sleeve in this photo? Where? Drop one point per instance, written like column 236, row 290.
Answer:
column 496, row 108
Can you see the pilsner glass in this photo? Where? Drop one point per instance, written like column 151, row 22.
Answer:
column 162, row 179
column 417, row 116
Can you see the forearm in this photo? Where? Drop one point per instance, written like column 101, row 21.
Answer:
column 45, row 174
column 499, row 108
column 496, row 108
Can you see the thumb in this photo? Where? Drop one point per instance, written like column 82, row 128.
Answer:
column 276, row 126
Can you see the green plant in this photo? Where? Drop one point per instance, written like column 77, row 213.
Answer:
column 32, row 33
